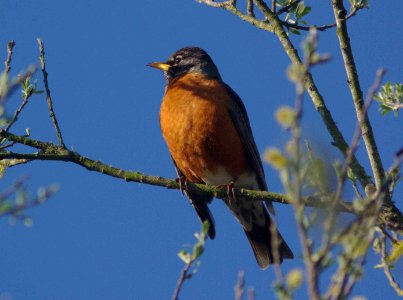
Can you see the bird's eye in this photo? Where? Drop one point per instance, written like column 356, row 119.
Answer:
column 177, row 59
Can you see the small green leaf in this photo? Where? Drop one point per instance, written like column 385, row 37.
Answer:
column 305, row 11
column 184, row 256
column 396, row 252
column 197, row 251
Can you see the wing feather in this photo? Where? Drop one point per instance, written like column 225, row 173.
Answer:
column 241, row 121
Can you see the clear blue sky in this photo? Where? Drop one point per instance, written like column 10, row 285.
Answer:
column 103, row 238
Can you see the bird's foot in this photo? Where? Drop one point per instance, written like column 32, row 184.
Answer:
column 183, row 183
column 230, row 192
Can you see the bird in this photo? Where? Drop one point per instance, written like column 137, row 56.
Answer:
column 208, row 134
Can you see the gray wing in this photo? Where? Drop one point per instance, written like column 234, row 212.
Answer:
column 241, row 121
column 242, row 125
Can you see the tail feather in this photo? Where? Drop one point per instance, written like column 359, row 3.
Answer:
column 257, row 224
column 261, row 240
column 200, row 202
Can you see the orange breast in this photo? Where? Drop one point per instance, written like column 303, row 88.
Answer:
column 198, row 129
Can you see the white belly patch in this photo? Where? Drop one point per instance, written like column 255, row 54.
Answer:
column 221, row 177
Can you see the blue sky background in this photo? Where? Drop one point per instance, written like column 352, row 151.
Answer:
column 103, row 238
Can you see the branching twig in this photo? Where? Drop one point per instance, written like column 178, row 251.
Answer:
column 228, row 5
column 322, row 27
column 358, row 131
column 49, row 151
column 16, row 82
column 274, row 25
column 16, row 209
column 48, row 97
column 386, row 268
column 298, row 204
column 356, row 92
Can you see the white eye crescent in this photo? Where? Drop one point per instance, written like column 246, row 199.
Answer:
column 177, row 59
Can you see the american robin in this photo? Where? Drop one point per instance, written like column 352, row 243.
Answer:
column 208, row 134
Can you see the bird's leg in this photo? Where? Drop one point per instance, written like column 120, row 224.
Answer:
column 230, row 191
column 182, row 181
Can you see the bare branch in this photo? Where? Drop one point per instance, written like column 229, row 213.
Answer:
column 229, row 5
column 358, row 130
column 48, row 97
column 322, row 27
column 14, row 201
column 49, row 151
column 239, row 288
column 18, row 111
column 10, row 46
column 356, row 92
column 250, row 8
column 183, row 276
column 273, row 5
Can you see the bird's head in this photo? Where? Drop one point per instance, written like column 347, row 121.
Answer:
column 187, row 60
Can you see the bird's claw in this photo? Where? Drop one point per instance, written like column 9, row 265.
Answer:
column 230, row 192
column 182, row 181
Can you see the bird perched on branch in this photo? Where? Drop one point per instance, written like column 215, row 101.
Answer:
column 208, row 134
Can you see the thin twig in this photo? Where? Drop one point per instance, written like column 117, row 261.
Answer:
column 7, row 63
column 298, row 203
column 322, row 27
column 4, row 195
column 239, row 288
column 328, row 244
column 362, row 229
column 228, row 5
column 356, row 92
column 251, row 293
column 358, row 131
column 354, row 278
column 18, row 111
column 274, row 5
column 386, row 233
column 15, row 210
column 183, row 276
column 250, row 8
column 386, row 268
column 48, row 97
column 212, row 3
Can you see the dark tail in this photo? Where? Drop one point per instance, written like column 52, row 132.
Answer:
column 262, row 240
column 200, row 202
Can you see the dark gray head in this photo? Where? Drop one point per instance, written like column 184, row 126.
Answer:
column 188, row 60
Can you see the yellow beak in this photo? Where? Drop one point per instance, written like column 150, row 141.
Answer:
column 159, row 65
